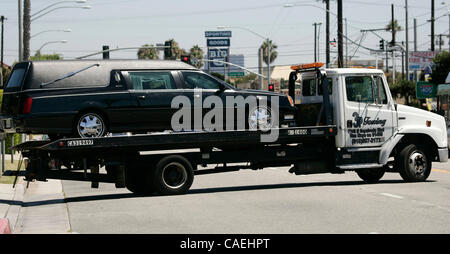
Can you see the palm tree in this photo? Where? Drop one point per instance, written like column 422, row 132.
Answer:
column 197, row 52
column 273, row 52
column 396, row 27
column 147, row 52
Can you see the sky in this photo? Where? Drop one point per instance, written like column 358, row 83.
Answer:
column 133, row 23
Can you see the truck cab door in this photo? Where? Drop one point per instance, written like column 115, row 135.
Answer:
column 369, row 111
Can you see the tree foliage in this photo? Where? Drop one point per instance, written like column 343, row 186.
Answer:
column 273, row 52
column 403, row 88
column 395, row 27
column 148, row 52
column 197, row 52
column 440, row 68
column 45, row 57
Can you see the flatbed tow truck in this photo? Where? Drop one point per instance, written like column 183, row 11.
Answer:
column 347, row 121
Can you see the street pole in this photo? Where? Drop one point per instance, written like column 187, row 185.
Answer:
column 260, row 68
column 407, row 42
column 346, row 44
column 268, row 61
column 327, row 41
column 432, row 25
column 106, row 53
column 340, row 35
column 26, row 29
column 20, row 30
column 2, row 18
column 315, row 42
column 415, row 46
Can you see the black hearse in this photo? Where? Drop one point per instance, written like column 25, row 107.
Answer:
column 90, row 98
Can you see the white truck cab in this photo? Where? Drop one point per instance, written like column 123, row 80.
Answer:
column 372, row 128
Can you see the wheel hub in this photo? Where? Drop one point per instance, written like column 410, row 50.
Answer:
column 417, row 162
column 90, row 126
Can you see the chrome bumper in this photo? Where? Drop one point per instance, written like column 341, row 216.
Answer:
column 443, row 154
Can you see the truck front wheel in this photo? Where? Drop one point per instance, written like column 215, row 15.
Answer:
column 370, row 175
column 413, row 164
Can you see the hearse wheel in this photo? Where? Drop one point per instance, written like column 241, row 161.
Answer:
column 90, row 125
column 413, row 164
column 372, row 175
column 173, row 175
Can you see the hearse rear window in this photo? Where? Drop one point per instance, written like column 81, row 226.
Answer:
column 16, row 79
column 152, row 80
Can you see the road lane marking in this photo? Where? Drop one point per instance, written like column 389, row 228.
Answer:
column 441, row 170
column 391, row 195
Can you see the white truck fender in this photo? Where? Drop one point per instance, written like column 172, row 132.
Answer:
column 387, row 148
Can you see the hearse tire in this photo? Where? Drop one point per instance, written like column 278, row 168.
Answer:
column 173, row 175
column 372, row 175
column 90, row 124
column 413, row 164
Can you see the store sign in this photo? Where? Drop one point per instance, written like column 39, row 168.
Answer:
column 218, row 54
column 419, row 60
column 218, row 42
column 425, row 90
column 218, row 34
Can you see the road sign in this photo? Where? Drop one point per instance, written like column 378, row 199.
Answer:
column 236, row 74
column 217, row 33
column 218, row 42
column 425, row 90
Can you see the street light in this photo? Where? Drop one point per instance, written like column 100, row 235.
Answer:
column 264, row 38
column 79, row 2
column 38, row 52
column 54, row 30
column 62, row 7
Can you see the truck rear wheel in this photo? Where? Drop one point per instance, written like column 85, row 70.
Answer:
column 372, row 175
column 139, row 181
column 413, row 164
column 173, row 175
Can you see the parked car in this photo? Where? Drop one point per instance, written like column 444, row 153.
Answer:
column 91, row 98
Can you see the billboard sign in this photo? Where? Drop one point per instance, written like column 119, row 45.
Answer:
column 217, row 54
column 418, row 60
column 218, row 42
column 217, row 33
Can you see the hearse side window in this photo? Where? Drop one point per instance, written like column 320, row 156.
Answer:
column 359, row 89
column 199, row 80
column 16, row 79
column 152, row 80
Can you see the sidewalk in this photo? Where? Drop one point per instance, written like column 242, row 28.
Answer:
column 40, row 209
column 11, row 201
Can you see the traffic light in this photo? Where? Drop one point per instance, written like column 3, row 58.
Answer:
column 382, row 44
column 271, row 87
column 186, row 59
column 167, row 49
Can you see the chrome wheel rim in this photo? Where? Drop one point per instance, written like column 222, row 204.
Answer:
column 417, row 162
column 260, row 118
column 90, row 126
column 174, row 175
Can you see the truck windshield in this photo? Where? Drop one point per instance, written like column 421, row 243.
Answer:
column 15, row 80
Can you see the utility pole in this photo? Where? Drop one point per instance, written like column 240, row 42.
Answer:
column 340, row 35
column 316, row 43
column 415, row 46
column 106, row 51
column 346, row 44
column 26, row 29
column 407, row 41
column 432, row 25
column 327, row 40
column 393, row 30
column 20, row 31
column 2, row 19
column 260, row 68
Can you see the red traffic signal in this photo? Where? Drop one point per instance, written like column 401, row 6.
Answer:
column 186, row 59
column 271, row 87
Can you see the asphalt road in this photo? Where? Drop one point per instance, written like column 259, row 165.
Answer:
column 269, row 201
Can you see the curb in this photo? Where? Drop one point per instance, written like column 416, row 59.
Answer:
column 4, row 226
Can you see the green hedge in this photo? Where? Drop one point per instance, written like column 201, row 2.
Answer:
column 17, row 137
